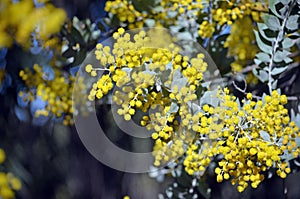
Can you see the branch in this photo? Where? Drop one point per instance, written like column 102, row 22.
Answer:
column 275, row 45
column 248, row 68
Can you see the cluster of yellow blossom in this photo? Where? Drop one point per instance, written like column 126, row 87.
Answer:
column 206, row 29
column 159, row 79
column 241, row 43
column 57, row 92
column 166, row 12
column 125, row 54
column 101, row 88
column 240, row 14
column 8, row 182
column 18, row 20
column 126, row 12
column 228, row 12
column 251, row 138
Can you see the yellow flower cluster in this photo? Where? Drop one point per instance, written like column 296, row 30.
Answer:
column 250, row 138
column 57, row 92
column 241, row 43
column 147, row 78
column 125, row 54
column 206, row 29
column 166, row 13
column 171, row 136
column 101, row 88
column 228, row 12
column 20, row 19
column 126, row 12
column 8, row 182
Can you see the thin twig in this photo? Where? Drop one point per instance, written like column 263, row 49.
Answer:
column 294, row 54
column 249, row 68
column 238, row 88
column 289, row 98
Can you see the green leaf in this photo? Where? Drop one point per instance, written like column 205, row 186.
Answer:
column 150, row 22
column 195, row 107
column 255, row 72
column 142, row 5
column 285, row 2
column 69, row 53
column 257, row 61
column 272, row 22
column 177, row 74
column 113, row 20
column 164, row 76
column 264, row 47
column 80, row 56
column 283, row 10
column 297, row 139
column 172, row 14
column 295, row 117
column 281, row 55
column 265, row 136
column 144, row 72
column 77, row 36
column 277, row 71
column 288, row 60
column 287, row 156
column 262, row 75
column 292, row 22
column 272, row 6
column 264, row 57
column 158, row 9
column 181, row 82
column 210, row 97
column 274, row 84
column 261, row 28
column 178, row 80
column 158, row 85
column 184, row 36
column 287, row 43
column 129, row 70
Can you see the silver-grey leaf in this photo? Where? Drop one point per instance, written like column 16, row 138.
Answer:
column 264, row 47
column 264, row 57
column 272, row 22
column 265, row 136
column 173, row 108
column 292, row 22
column 277, row 71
